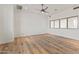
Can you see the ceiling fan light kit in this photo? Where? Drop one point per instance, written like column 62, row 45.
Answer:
column 42, row 12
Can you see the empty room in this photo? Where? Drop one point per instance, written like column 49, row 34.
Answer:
column 39, row 28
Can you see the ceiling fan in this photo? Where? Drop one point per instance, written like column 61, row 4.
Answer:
column 44, row 8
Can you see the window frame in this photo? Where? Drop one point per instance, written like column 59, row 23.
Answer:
column 58, row 24
column 53, row 25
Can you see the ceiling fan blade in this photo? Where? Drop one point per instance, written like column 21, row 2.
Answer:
column 46, row 8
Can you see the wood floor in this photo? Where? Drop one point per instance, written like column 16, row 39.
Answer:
column 41, row 44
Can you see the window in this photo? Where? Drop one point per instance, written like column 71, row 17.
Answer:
column 52, row 24
column 56, row 23
column 63, row 23
column 72, row 22
column 69, row 22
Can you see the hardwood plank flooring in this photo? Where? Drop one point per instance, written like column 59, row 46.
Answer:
column 41, row 44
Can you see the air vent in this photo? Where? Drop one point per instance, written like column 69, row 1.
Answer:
column 19, row 7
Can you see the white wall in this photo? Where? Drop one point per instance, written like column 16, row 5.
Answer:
column 6, row 23
column 27, row 23
column 30, row 23
column 70, row 33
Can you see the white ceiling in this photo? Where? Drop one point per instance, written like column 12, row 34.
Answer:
column 52, row 8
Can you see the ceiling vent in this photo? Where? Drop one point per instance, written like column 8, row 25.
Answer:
column 19, row 7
